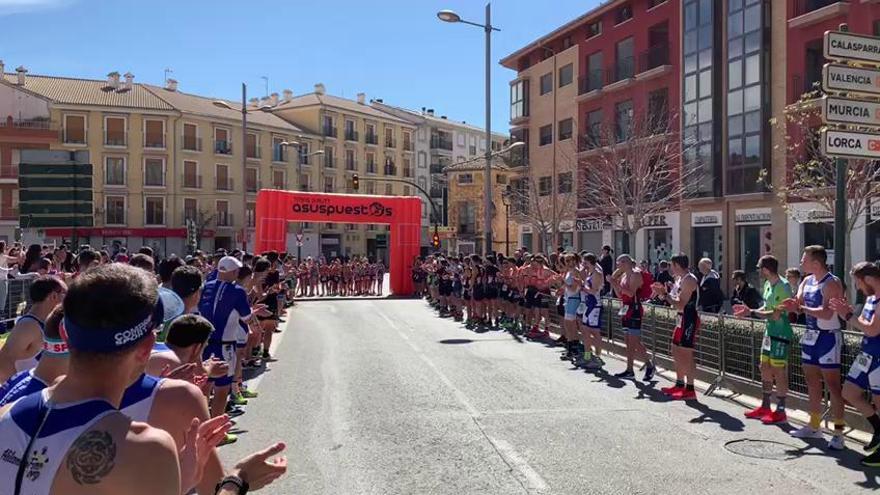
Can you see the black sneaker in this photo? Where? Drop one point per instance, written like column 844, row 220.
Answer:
column 649, row 372
column 872, row 460
column 874, row 443
column 565, row 356
column 627, row 373
column 265, row 354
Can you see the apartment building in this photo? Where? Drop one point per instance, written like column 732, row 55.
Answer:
column 159, row 157
column 441, row 142
column 355, row 138
column 465, row 182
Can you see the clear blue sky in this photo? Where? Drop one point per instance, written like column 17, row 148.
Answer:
column 392, row 49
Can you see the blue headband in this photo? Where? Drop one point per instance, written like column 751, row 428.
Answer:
column 85, row 339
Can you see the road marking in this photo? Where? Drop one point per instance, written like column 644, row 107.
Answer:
column 534, row 483
column 455, row 390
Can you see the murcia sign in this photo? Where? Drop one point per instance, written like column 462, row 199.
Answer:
column 849, row 46
column 843, row 78
column 842, row 111
column 850, row 144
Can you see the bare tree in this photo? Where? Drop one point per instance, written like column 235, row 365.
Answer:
column 202, row 220
column 812, row 176
column 633, row 169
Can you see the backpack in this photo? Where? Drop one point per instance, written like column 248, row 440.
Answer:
column 645, row 290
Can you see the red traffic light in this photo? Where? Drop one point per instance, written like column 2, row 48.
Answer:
column 355, row 182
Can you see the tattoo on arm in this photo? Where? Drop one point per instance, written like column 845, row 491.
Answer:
column 91, row 457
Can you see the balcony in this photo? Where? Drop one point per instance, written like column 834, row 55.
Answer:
column 587, row 142
column 36, row 123
column 77, row 137
column 653, row 62
column 622, row 70
column 801, row 85
column 304, row 159
column 329, row 131
column 329, row 161
column 371, row 168
column 390, row 170
column 809, row 12
column 222, row 147
column 590, row 85
column 253, row 153
column 351, row 135
column 253, row 186
column 351, row 165
column 371, row 138
column 191, row 181
column 8, row 213
column 154, row 140
column 191, row 143
column 279, row 153
column 441, row 143
column 115, row 138
column 225, row 183
column 390, row 142
column 225, row 219
column 436, row 192
column 407, row 145
column 437, row 168
column 408, row 172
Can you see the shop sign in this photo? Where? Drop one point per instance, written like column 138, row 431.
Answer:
column 706, row 218
column 591, row 225
column 753, row 216
column 655, row 221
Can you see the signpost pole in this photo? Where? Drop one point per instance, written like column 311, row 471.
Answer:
column 840, row 212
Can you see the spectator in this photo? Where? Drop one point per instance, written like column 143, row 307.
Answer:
column 743, row 292
column 663, row 275
column 711, row 296
column 144, row 262
column 607, row 264
column 794, row 277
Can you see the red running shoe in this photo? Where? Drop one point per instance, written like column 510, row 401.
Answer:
column 671, row 390
column 684, row 394
column 774, row 418
column 758, row 413
column 534, row 333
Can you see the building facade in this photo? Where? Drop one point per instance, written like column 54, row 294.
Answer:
column 466, row 182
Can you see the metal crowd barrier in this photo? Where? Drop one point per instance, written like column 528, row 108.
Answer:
column 14, row 301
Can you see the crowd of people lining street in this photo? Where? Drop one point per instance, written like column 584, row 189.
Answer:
column 520, row 292
column 126, row 372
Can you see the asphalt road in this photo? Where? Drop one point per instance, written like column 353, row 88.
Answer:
column 381, row 396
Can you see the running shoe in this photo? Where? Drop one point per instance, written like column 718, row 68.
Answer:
column 671, row 390
column 580, row 362
column 872, row 460
column 627, row 373
column 775, row 418
column 545, row 334
column 874, row 443
column 594, row 363
column 758, row 413
column 806, row 432
column 534, row 333
column 237, row 400
column 247, row 394
column 837, row 442
column 266, row 355
column 229, row 438
column 684, row 394
column 565, row 356
column 649, row 372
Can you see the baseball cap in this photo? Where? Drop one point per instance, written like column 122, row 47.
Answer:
column 228, row 264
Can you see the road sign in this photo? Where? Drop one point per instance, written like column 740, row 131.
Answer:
column 843, row 78
column 844, row 111
column 299, row 238
column 850, row 144
column 849, row 46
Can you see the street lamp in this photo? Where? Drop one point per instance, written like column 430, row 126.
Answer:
column 505, row 198
column 451, row 16
column 299, row 158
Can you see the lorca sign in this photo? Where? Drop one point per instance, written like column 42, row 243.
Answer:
column 850, row 144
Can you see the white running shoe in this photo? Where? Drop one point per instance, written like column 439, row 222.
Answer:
column 836, row 443
column 806, row 432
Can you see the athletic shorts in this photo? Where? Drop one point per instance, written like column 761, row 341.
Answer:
column 445, row 288
column 865, row 372
column 631, row 318
column 530, row 298
column 513, row 296
column 478, row 293
column 456, row 289
column 775, row 350
column 323, row 280
column 491, row 291
column 571, row 306
column 226, row 352
column 685, row 333
column 821, row 348
column 241, row 337
column 593, row 317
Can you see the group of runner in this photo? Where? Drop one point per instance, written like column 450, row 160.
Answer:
column 355, row 276
column 518, row 294
column 124, row 377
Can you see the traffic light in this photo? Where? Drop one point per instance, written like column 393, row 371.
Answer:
column 435, row 240
column 355, row 182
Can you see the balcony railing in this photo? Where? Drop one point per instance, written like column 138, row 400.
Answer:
column 408, row 172
column 37, row 123
column 407, row 145
column 370, row 138
column 115, row 138
column 154, row 140
column 351, row 165
column 191, row 143
column 390, row 170
column 225, row 183
column 329, row 161
column 351, row 135
column 436, row 192
column 254, row 152
column 802, row 7
column 330, row 131
column 438, row 142
column 222, row 147
column 437, row 168
column 225, row 219
column 279, row 153
column 253, row 186
column 371, row 167
column 68, row 139
column 190, row 181
column 156, row 181
column 653, row 57
column 587, row 142
column 624, row 68
column 390, row 142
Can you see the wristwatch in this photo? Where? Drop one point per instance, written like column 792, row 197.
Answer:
column 239, row 483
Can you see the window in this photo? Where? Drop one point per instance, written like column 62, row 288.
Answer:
column 350, row 163
column 546, row 135
column 623, row 14
column 423, row 159
column 390, row 142
column 74, row 129
column 304, row 182
column 545, row 185
column 350, row 132
column 224, row 219
column 191, row 177
column 304, row 153
column 279, row 151
column 564, row 182
column 466, row 178
column 222, row 143
column 114, row 171
column 407, row 167
column 566, row 75
column 329, row 159
column 594, row 29
column 250, row 210
column 546, row 83
column 371, row 187
column 224, row 182
column 278, row 181
column 623, row 120
column 565, row 129
column 624, row 65
column 519, row 99
column 407, row 141
column 371, row 163
column 406, row 190
column 566, row 43
column 115, row 131
column 500, row 179
column 190, row 209
column 154, row 133
column 154, row 210
column 699, row 129
column 467, row 218
column 658, row 109
column 328, row 183
column 594, row 128
column 114, row 207
column 252, row 145
column 371, row 137
column 472, row 149
column 154, row 172
column 389, row 190
column 251, row 181
column 594, row 76
column 329, row 126
column 191, row 137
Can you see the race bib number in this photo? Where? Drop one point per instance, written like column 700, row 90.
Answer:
column 622, row 311
column 581, row 308
column 810, row 337
column 863, row 362
column 767, row 344
column 504, row 287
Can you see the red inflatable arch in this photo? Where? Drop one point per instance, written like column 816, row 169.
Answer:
column 404, row 214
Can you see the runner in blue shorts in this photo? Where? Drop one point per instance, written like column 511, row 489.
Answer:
column 591, row 320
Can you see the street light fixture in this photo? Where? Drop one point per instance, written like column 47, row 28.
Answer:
column 506, row 199
column 452, row 17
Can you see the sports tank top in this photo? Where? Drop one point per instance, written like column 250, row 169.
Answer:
column 569, row 285
column 871, row 345
column 137, row 401
column 586, row 296
column 690, row 308
column 31, row 362
column 813, row 299
column 19, row 385
column 55, row 427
